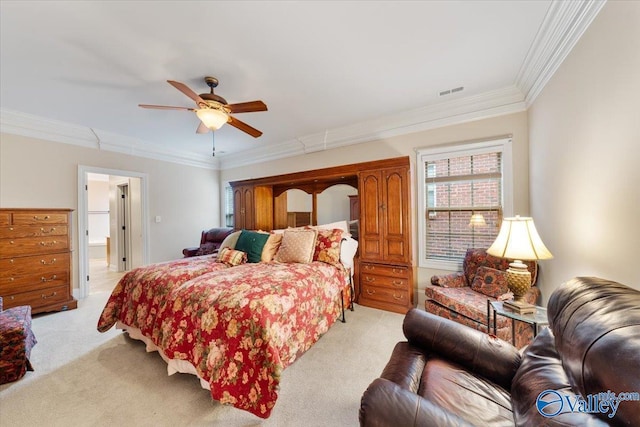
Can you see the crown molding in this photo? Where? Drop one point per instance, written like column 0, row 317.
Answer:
column 562, row 27
column 485, row 105
column 17, row 123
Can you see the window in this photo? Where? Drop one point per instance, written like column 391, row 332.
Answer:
column 228, row 206
column 455, row 183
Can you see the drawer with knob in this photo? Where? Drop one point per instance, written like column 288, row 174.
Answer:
column 34, row 281
column 33, row 245
column 384, row 281
column 34, row 298
column 27, row 218
column 41, row 264
column 15, row 232
column 393, row 296
column 385, row 270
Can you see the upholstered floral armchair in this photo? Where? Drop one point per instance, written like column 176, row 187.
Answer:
column 463, row 296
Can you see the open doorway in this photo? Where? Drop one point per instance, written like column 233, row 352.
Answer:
column 112, row 230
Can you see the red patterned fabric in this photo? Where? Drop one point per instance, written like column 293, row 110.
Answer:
column 16, row 341
column 239, row 328
column 490, row 282
column 452, row 296
column 328, row 246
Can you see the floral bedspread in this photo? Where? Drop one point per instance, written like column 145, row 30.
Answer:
column 239, row 328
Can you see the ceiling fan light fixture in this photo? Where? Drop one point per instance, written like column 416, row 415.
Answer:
column 212, row 118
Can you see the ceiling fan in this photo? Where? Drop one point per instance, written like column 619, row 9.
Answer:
column 213, row 110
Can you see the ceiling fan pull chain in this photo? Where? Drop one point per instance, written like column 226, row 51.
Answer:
column 213, row 144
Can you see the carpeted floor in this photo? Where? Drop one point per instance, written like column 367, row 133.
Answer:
column 84, row 378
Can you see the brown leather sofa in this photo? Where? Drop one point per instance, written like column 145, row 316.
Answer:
column 448, row 374
column 210, row 241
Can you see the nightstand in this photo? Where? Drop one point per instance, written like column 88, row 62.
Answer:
column 537, row 319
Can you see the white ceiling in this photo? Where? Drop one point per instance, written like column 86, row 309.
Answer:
column 321, row 67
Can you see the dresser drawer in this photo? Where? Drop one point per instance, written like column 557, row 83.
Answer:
column 38, row 298
column 384, row 281
column 39, row 218
column 5, row 218
column 33, row 245
column 385, row 270
column 35, row 281
column 385, row 295
column 14, row 232
column 38, row 264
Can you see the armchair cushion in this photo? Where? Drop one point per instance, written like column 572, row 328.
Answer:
column 490, row 282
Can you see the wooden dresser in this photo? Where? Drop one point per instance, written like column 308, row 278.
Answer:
column 35, row 259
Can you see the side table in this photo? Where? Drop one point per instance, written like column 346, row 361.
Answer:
column 537, row 319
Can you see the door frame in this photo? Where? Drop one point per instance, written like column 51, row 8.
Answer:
column 83, row 220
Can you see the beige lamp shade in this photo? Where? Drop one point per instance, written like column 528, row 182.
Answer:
column 518, row 239
column 212, row 118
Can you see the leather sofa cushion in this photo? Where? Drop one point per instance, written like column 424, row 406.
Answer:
column 470, row 396
column 541, row 369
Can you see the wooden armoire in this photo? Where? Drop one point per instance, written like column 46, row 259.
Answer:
column 384, row 274
column 385, row 270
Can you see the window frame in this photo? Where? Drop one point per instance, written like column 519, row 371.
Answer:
column 423, row 155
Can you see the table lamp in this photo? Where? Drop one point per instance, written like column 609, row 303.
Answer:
column 518, row 240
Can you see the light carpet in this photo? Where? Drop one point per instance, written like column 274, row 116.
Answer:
column 85, row 378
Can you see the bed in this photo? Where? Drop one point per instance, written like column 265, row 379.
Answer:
column 236, row 327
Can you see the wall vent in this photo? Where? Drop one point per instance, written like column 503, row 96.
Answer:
column 450, row 91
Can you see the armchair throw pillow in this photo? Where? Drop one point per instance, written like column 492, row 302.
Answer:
column 490, row 282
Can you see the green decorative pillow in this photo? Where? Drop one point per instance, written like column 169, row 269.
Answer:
column 252, row 243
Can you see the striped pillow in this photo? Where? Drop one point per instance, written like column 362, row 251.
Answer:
column 231, row 257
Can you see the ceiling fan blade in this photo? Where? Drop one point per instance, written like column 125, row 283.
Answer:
column 202, row 128
column 247, row 107
column 185, row 89
column 165, row 107
column 244, row 127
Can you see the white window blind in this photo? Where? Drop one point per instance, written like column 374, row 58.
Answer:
column 454, row 185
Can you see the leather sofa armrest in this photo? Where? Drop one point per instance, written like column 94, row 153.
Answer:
column 189, row 252
column 386, row 404
column 477, row 351
column 454, row 280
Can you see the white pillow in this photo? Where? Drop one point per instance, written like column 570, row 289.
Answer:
column 348, row 250
column 342, row 225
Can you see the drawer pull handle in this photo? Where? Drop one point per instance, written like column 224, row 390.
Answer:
column 12, row 297
column 49, row 296
column 398, row 298
column 37, row 218
column 369, row 267
column 53, row 261
column 398, row 283
column 370, row 292
column 11, row 279
column 48, row 243
column 42, row 230
column 11, row 242
column 398, row 270
column 44, row 279
column 370, row 279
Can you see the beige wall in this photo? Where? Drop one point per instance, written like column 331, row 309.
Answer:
column 514, row 124
column 585, row 155
column 36, row 173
